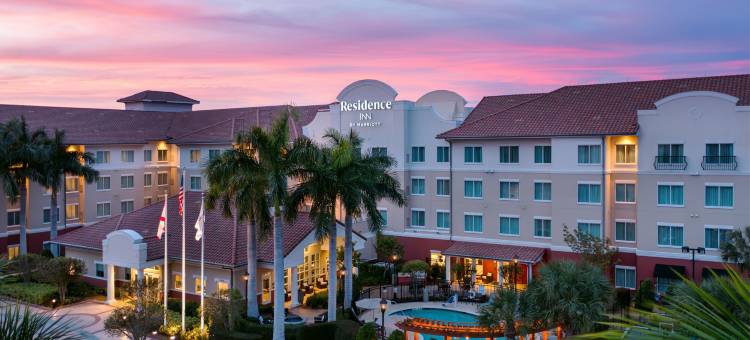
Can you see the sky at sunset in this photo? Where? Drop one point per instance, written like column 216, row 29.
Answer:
column 244, row 53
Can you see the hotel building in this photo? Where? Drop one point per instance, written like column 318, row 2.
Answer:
column 651, row 165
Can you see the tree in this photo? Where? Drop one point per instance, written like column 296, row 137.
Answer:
column 140, row 315
column 22, row 161
column 737, row 249
column 571, row 295
column 237, row 184
column 593, row 249
column 504, row 312
column 27, row 266
column 388, row 246
column 644, row 297
column 368, row 331
column 60, row 160
column 61, row 271
column 16, row 324
column 223, row 310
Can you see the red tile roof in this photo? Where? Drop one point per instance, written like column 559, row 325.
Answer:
column 225, row 241
column 493, row 104
column 158, row 96
column 588, row 110
column 495, row 251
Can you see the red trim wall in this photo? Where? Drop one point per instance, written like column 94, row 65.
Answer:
column 419, row 248
column 35, row 240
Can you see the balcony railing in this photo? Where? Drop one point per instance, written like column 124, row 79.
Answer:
column 670, row 163
column 719, row 163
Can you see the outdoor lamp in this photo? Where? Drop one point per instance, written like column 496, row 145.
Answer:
column 701, row 250
column 515, row 259
column 383, row 307
column 685, row 249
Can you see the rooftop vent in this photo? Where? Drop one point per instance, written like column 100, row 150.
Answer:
column 158, row 101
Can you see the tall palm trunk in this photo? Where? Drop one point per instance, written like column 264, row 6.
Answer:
column 53, row 223
column 348, row 264
column 332, row 272
column 278, row 277
column 22, row 212
column 252, row 271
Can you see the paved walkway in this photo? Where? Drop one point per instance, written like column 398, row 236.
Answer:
column 89, row 316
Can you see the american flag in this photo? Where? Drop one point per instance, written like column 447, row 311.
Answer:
column 180, row 197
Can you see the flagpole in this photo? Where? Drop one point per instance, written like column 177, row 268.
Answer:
column 166, row 265
column 183, row 249
column 203, row 238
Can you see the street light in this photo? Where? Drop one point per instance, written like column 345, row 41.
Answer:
column 700, row 250
column 383, row 307
column 394, row 258
column 515, row 272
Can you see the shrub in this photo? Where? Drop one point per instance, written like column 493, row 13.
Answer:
column 318, row 331
column 35, row 293
column 396, row 335
column 27, row 266
column 80, row 290
column 174, row 323
column 367, row 332
column 317, row 300
column 346, row 329
column 192, row 308
column 644, row 297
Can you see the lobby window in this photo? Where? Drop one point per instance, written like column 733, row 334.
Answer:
column 543, row 227
column 195, row 156
column 509, row 154
column 199, row 285
column 417, row 218
column 213, row 153
column 625, row 154
column 71, row 184
column 472, row 188
column 589, row 193
column 417, row 154
column 178, row 281
column 127, row 182
column 443, row 187
column 127, row 156
column 719, row 196
column 624, row 192
column 127, row 206
column 593, row 229
column 148, row 155
column 716, row 237
column 624, row 277
column 383, row 215
column 72, row 211
column 14, row 218
column 222, row 287
column 195, row 183
column 509, row 225
column 100, row 270
column 508, row 190
column 669, row 235
column 589, row 154
column 47, row 215
column 161, row 155
column 103, row 209
column 13, row 251
column 102, row 157
column 543, row 191
column 103, row 183
column 443, row 219
column 162, row 178
column 147, row 179
column 443, row 154
column 473, row 223
column 417, row 186
column 472, row 154
column 670, row 195
column 379, row 151
column 625, row 231
column 719, row 153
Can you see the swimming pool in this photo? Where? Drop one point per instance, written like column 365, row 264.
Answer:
column 437, row 314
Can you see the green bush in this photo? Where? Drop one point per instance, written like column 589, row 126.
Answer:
column 371, row 275
column 32, row 292
column 318, row 331
column 367, row 332
column 174, row 323
column 346, row 329
column 396, row 335
column 644, row 297
column 192, row 308
column 80, row 290
column 317, row 300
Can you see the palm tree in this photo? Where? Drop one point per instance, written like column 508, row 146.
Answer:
column 22, row 162
column 59, row 161
column 17, row 324
column 505, row 310
column 237, row 183
column 737, row 249
column 365, row 179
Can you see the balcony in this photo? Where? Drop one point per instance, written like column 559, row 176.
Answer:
column 670, row 163
column 719, row 163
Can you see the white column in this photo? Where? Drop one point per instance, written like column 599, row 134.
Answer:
column 294, row 286
column 528, row 271
column 141, row 275
column 110, row 284
column 500, row 275
column 473, row 272
column 448, row 268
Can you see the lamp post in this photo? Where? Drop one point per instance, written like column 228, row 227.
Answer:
column 394, row 258
column 700, row 250
column 515, row 272
column 383, row 307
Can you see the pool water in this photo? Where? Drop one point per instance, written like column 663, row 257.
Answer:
column 441, row 315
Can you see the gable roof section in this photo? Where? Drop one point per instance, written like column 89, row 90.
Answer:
column 159, row 97
column 589, row 110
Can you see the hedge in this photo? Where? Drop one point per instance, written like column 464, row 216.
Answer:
column 32, row 292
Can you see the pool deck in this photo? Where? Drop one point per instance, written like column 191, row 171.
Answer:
column 390, row 319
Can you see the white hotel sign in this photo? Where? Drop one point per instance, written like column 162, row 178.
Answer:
column 365, row 118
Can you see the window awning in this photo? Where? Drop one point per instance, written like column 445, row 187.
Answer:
column 668, row 271
column 706, row 273
column 495, row 251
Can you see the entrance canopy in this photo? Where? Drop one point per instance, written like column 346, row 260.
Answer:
column 500, row 252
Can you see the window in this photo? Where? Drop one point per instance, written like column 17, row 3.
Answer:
column 384, row 216
column 71, row 184
column 417, row 218
column 472, row 154
column 161, row 178
column 670, row 195
column 443, row 219
column 509, row 225
column 126, row 181
column 509, row 154
column 625, row 154
column 472, row 223
column 543, row 154
column 508, row 190
column 195, row 156
column 379, row 151
column 161, row 155
column 147, row 200
column 195, row 183
column 199, row 285
column 543, row 227
column 14, row 218
column 222, row 287
column 147, row 155
column 542, row 191
column 417, row 154
column 103, row 183
column 624, row 277
column 127, row 156
column 103, row 209
column 473, row 188
column 177, row 281
column 716, row 237
column 663, row 284
column 670, row 235
column 417, row 186
column 99, row 269
column 443, row 187
column 213, row 153
column 670, row 153
column 589, row 193
column 71, row 212
column 625, row 231
column 13, row 251
column 102, row 157
column 443, row 154
column 719, row 153
column 589, row 154
column 47, row 215
column 624, row 193
column 147, row 180
column 127, row 206
column 593, row 229
column 719, row 196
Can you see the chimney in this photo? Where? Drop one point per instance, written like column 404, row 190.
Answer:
column 158, row 101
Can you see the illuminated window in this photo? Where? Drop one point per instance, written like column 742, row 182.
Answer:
column 161, row 155
column 71, row 184
column 625, row 154
column 199, row 285
column 222, row 287
column 195, row 156
column 13, row 251
column 178, row 281
column 71, row 212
